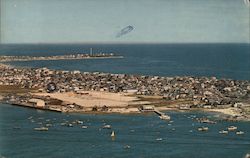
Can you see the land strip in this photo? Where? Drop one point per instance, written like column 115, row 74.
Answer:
column 75, row 91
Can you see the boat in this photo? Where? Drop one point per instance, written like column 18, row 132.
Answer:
column 240, row 132
column 48, row 125
column 223, row 132
column 113, row 134
column 159, row 139
column 41, row 129
column 79, row 122
column 106, row 127
column 205, row 120
column 127, row 147
column 164, row 117
column 84, row 127
column 202, row 128
column 232, row 128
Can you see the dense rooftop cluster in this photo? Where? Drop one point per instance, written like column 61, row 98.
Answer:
column 201, row 90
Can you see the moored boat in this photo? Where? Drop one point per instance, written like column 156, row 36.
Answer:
column 240, row 133
column 106, row 127
column 41, row 129
column 223, row 132
column 203, row 129
column 113, row 134
column 164, row 117
column 232, row 128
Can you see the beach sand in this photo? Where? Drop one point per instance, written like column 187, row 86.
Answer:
column 227, row 111
column 90, row 99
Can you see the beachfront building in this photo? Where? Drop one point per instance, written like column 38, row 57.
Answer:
column 37, row 102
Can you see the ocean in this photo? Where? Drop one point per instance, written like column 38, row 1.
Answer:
column 220, row 60
column 136, row 135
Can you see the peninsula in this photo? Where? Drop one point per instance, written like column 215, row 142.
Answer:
column 75, row 91
column 59, row 57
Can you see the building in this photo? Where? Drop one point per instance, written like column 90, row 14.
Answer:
column 37, row 102
column 147, row 108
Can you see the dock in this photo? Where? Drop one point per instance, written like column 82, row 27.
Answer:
column 162, row 115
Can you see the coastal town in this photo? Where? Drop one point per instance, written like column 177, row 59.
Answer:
column 75, row 91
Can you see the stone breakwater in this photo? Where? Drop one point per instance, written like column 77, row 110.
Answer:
column 202, row 92
column 58, row 57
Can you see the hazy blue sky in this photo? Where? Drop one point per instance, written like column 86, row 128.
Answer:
column 158, row 21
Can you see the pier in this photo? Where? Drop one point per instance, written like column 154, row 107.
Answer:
column 162, row 115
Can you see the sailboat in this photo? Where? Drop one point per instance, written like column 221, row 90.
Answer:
column 113, row 134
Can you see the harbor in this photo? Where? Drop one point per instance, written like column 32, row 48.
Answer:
column 94, row 132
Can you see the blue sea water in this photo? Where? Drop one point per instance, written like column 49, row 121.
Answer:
column 140, row 132
column 220, row 60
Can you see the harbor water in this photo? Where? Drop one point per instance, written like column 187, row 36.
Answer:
column 135, row 135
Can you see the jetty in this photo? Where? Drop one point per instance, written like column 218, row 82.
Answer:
column 162, row 115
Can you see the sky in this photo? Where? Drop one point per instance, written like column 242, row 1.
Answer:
column 99, row 21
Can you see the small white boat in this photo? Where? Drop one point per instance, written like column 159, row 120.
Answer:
column 127, row 147
column 159, row 139
column 223, row 132
column 203, row 129
column 113, row 134
column 79, row 122
column 84, row 127
column 164, row 117
column 106, row 127
column 240, row 133
column 48, row 125
column 232, row 128
column 41, row 129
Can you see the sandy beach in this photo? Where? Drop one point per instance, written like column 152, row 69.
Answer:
column 116, row 102
column 227, row 111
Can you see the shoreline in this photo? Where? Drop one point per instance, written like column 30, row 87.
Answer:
column 222, row 114
column 228, row 114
